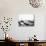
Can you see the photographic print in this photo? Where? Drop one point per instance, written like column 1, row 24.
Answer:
column 26, row 20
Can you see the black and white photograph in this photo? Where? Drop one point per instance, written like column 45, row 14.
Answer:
column 26, row 20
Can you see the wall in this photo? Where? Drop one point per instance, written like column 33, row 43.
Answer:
column 12, row 8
